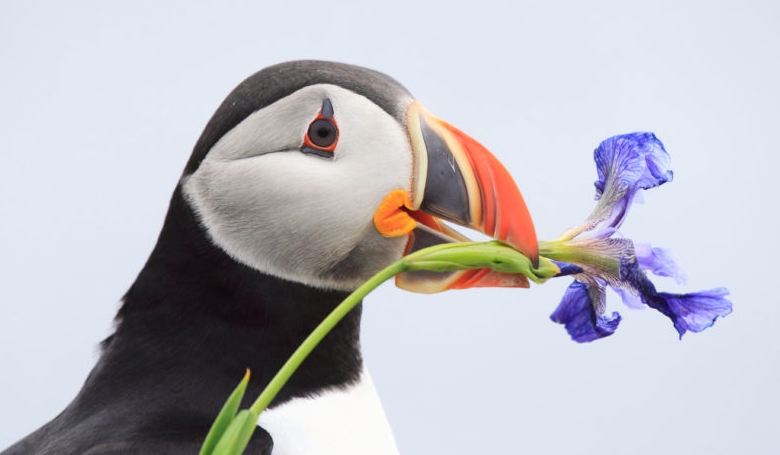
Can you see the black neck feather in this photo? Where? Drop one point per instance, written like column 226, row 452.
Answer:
column 195, row 320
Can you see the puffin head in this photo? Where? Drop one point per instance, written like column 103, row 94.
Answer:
column 324, row 173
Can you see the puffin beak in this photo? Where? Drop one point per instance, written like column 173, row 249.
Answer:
column 458, row 180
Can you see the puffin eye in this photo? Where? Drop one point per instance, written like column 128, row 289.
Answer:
column 323, row 134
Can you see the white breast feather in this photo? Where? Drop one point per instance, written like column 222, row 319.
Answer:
column 338, row 422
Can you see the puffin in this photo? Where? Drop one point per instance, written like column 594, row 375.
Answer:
column 309, row 178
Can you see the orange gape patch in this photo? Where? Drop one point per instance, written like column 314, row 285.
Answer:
column 391, row 218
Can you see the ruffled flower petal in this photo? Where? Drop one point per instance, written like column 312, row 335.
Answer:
column 659, row 261
column 694, row 311
column 630, row 161
column 630, row 299
column 626, row 164
column 577, row 312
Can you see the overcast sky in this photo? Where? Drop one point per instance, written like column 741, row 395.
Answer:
column 101, row 105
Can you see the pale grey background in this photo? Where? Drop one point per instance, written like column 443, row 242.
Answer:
column 100, row 106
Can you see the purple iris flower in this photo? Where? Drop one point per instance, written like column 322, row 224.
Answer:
column 625, row 164
column 579, row 315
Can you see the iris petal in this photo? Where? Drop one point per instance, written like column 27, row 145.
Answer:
column 631, row 161
column 578, row 314
column 694, row 311
column 660, row 261
column 630, row 299
column 626, row 164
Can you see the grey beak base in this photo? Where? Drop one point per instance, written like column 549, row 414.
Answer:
column 445, row 192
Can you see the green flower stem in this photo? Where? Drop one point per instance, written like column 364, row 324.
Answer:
column 477, row 255
column 232, row 430
column 314, row 338
column 438, row 258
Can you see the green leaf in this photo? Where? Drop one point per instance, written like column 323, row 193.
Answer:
column 238, row 433
column 225, row 418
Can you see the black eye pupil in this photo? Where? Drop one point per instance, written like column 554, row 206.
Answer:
column 322, row 133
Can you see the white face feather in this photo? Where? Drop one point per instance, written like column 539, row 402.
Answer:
column 299, row 216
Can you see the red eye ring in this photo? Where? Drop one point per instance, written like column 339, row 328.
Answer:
column 323, row 133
